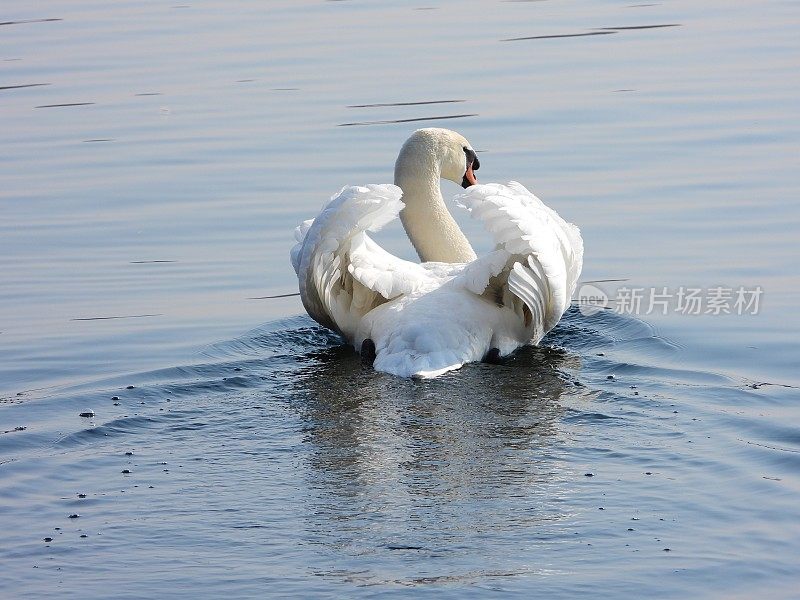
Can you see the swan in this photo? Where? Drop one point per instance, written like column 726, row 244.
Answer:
column 424, row 319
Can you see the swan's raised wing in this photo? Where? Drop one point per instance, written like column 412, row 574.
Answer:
column 343, row 274
column 537, row 260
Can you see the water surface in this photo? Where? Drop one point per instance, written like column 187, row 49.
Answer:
column 156, row 158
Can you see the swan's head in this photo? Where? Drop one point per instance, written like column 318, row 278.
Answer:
column 450, row 151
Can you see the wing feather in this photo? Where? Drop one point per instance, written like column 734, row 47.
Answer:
column 343, row 274
column 538, row 258
column 383, row 272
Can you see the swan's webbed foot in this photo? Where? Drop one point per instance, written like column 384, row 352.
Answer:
column 367, row 352
column 492, row 356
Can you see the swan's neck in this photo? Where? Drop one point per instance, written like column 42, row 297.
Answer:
column 429, row 225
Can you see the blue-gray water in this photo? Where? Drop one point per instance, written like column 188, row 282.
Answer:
column 632, row 455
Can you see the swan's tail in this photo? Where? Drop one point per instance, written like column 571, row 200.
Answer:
column 435, row 334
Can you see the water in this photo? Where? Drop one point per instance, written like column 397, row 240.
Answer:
column 164, row 196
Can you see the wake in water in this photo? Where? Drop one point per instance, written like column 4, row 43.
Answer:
column 279, row 452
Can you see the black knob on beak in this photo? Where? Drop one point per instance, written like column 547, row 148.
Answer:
column 473, row 164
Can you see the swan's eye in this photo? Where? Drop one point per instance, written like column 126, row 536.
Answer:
column 472, row 159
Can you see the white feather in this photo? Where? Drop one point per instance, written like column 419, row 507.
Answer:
column 429, row 318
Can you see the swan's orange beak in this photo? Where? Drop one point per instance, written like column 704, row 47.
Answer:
column 469, row 177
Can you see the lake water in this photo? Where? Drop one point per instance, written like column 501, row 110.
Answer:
column 155, row 159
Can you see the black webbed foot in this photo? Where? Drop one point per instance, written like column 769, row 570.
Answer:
column 492, row 356
column 367, row 352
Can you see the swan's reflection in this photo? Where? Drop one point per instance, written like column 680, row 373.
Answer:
column 431, row 464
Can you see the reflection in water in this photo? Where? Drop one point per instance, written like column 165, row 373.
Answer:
column 64, row 104
column 26, row 21
column 558, row 35
column 389, row 121
column 632, row 27
column 597, row 31
column 418, row 103
column 24, row 85
column 437, row 465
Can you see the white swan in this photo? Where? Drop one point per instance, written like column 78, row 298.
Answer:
column 425, row 319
